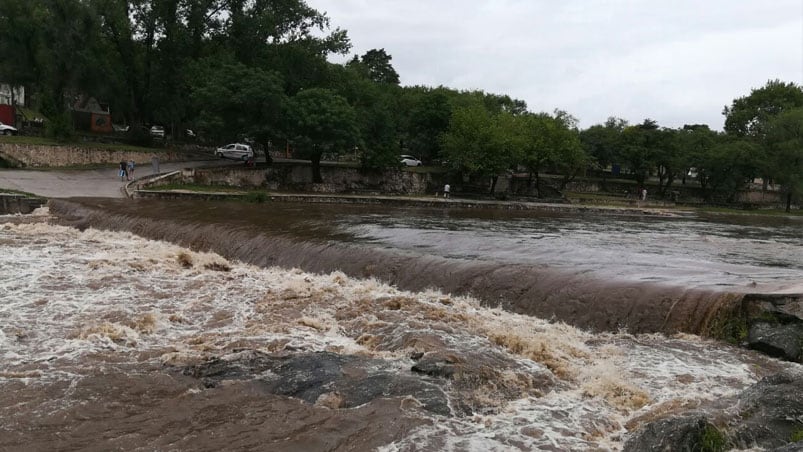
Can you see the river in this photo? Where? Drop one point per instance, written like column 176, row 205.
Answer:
column 111, row 340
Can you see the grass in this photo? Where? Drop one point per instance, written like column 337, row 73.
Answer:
column 713, row 440
column 752, row 212
column 251, row 195
column 17, row 192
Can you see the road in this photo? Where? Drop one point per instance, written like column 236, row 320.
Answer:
column 99, row 182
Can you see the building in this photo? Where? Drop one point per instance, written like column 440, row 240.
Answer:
column 12, row 95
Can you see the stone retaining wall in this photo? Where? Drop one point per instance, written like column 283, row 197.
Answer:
column 292, row 176
column 13, row 203
column 39, row 156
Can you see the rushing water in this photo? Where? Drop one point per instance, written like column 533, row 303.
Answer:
column 97, row 330
column 686, row 251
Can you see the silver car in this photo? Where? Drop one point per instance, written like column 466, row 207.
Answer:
column 7, row 129
column 235, row 151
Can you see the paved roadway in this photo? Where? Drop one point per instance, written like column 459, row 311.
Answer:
column 99, row 182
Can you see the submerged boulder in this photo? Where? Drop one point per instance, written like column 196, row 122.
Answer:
column 324, row 379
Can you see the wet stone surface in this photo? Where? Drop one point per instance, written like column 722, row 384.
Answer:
column 328, row 379
column 767, row 416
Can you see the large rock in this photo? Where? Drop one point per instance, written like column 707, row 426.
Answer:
column 770, row 412
column 765, row 416
column 783, row 341
column 681, row 434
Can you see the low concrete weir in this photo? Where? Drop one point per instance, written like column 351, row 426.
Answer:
column 576, row 298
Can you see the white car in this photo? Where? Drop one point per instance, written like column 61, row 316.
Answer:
column 235, row 151
column 409, row 160
column 158, row 132
column 6, row 129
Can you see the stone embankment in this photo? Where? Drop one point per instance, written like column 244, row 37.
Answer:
column 19, row 204
column 43, row 156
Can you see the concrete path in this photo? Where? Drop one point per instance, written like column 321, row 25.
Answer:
column 99, row 182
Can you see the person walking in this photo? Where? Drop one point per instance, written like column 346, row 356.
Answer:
column 446, row 189
column 123, row 170
column 130, row 169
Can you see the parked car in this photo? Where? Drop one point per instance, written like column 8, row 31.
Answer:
column 6, row 129
column 235, row 151
column 120, row 128
column 409, row 160
column 157, row 131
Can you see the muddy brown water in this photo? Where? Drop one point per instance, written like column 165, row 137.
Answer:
column 110, row 341
column 605, row 272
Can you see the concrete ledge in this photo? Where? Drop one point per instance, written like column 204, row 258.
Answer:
column 13, row 203
column 404, row 201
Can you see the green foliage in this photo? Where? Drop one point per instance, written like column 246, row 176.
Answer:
column 797, row 435
column 603, row 142
column 256, row 197
column 321, row 121
column 713, row 440
column 375, row 66
column 375, row 104
column 748, row 116
column 424, row 115
column 727, row 168
column 242, row 68
column 784, row 160
column 476, row 143
column 236, row 101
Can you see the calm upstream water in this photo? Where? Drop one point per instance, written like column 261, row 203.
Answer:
column 110, row 341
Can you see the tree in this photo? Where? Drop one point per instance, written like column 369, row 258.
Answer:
column 424, row 115
column 727, row 168
column 748, row 116
column 53, row 45
column 375, row 65
column 376, row 106
column 321, row 121
column 477, row 142
column 234, row 101
column 785, row 143
column 638, row 149
column 695, row 142
column 568, row 157
column 602, row 142
column 549, row 141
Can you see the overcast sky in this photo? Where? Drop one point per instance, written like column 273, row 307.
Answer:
column 677, row 62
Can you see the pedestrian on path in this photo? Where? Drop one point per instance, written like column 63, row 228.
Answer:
column 123, row 170
column 446, row 189
column 130, row 169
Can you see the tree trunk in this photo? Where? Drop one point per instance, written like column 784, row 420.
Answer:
column 537, row 184
column 493, row 183
column 316, row 168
